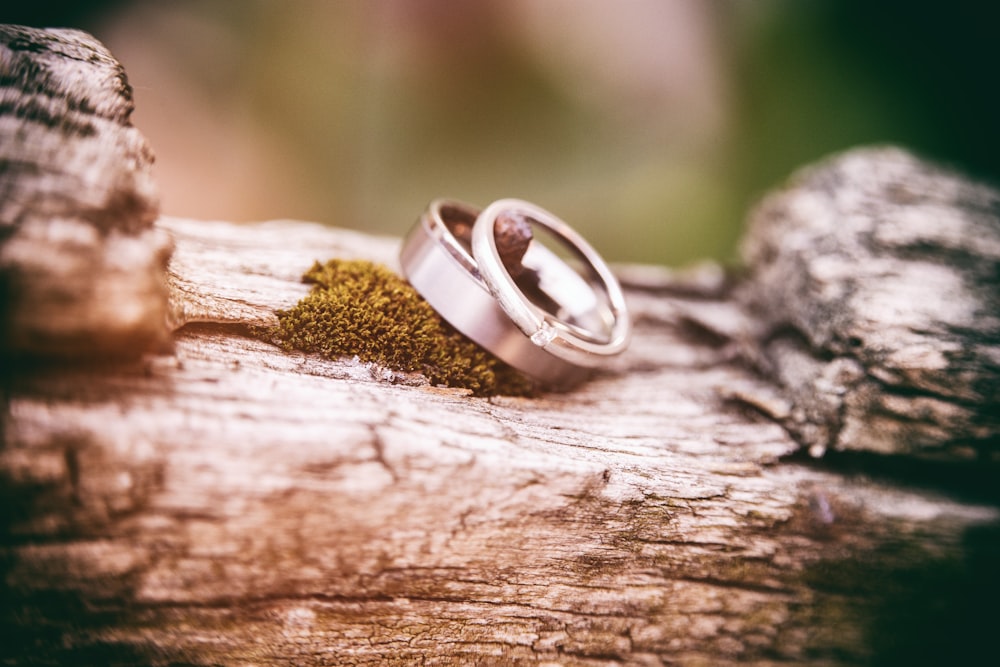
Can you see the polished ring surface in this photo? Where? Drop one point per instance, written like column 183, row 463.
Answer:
column 437, row 260
column 560, row 335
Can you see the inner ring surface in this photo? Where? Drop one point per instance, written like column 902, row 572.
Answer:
column 537, row 323
column 568, row 299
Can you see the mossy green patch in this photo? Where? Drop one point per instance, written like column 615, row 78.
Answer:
column 357, row 308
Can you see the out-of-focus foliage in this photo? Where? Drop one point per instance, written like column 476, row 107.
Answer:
column 650, row 125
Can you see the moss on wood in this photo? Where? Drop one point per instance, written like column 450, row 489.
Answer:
column 358, row 308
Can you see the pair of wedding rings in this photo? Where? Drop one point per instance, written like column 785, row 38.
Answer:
column 550, row 315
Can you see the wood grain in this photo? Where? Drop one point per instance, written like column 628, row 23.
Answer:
column 81, row 265
column 233, row 504
column 874, row 284
column 224, row 502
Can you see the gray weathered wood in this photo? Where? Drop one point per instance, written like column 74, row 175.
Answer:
column 875, row 292
column 225, row 502
column 81, row 265
column 231, row 503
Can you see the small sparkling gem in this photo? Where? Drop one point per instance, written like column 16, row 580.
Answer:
column 543, row 336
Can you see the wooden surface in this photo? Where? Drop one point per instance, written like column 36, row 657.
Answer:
column 874, row 290
column 81, row 266
column 234, row 504
column 224, row 502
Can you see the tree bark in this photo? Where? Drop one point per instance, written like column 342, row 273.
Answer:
column 81, row 265
column 874, row 287
column 228, row 502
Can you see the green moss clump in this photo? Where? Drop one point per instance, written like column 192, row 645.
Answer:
column 357, row 308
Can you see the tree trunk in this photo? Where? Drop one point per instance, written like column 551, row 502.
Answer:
column 229, row 502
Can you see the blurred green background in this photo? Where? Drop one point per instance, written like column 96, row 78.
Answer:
column 649, row 125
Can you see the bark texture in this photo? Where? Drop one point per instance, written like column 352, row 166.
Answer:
column 81, row 266
column 234, row 504
column 229, row 503
column 874, row 282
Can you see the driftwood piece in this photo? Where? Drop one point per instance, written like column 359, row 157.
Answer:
column 234, row 504
column 874, row 288
column 81, row 266
column 226, row 502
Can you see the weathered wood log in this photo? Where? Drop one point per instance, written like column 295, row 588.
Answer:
column 874, row 287
column 227, row 502
column 81, row 266
column 231, row 503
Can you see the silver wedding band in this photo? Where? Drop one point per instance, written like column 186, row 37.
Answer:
column 552, row 323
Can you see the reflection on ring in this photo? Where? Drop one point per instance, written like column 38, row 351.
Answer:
column 488, row 275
